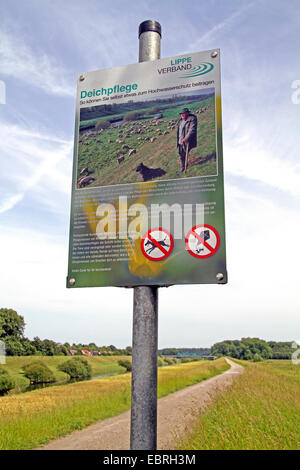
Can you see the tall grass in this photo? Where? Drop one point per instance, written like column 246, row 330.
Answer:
column 173, row 378
column 260, row 411
column 31, row 419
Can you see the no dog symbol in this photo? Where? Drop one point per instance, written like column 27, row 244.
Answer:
column 157, row 244
column 202, row 241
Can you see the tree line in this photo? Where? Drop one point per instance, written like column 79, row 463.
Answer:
column 253, row 349
column 12, row 326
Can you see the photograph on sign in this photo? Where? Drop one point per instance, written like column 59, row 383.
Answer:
column 148, row 192
column 142, row 141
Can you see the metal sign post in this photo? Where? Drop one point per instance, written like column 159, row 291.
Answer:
column 143, row 431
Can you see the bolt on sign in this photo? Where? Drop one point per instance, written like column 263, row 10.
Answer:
column 148, row 192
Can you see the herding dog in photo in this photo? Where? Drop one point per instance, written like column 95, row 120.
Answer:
column 149, row 173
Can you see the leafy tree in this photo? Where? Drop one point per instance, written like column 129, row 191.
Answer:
column 11, row 324
column 160, row 362
column 13, row 346
column 258, row 346
column 6, row 382
column 38, row 372
column 244, row 349
column 48, row 347
column 28, row 348
column 170, row 360
column 76, row 368
column 62, row 350
column 247, row 356
column 257, row 358
column 125, row 363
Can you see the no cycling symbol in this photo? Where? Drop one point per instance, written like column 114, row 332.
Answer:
column 157, row 244
column 202, row 241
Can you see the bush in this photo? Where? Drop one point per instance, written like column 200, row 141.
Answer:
column 185, row 359
column 153, row 110
column 76, row 368
column 257, row 358
column 102, row 125
column 170, row 360
column 132, row 115
column 160, row 362
column 125, row 363
column 6, row 382
column 37, row 372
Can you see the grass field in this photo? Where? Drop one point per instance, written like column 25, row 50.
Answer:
column 100, row 366
column 260, row 411
column 99, row 150
column 31, row 419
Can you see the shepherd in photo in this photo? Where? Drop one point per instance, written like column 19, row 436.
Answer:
column 186, row 136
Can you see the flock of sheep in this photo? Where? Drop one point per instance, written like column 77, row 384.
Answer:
column 139, row 128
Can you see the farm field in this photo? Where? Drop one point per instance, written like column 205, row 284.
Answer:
column 260, row 411
column 148, row 141
column 100, row 366
column 34, row 418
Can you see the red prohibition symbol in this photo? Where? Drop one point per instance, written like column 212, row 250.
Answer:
column 202, row 241
column 157, row 244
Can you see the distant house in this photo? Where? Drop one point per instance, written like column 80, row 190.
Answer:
column 85, row 352
column 72, row 352
column 158, row 116
column 95, row 353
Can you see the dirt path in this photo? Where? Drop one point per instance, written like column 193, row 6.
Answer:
column 175, row 415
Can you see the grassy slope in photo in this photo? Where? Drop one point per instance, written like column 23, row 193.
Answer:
column 99, row 150
column 260, row 411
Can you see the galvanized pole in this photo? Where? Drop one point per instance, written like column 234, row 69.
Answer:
column 143, row 431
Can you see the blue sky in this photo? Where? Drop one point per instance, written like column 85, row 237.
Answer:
column 43, row 47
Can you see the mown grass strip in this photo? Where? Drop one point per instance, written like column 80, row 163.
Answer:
column 260, row 411
column 31, row 419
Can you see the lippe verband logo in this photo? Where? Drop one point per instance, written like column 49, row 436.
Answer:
column 197, row 70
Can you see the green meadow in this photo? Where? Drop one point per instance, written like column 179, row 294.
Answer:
column 260, row 411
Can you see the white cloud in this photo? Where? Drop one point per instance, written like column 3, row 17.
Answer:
column 10, row 202
column 248, row 157
column 33, row 162
column 218, row 28
column 19, row 61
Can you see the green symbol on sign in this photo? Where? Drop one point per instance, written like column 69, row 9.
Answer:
column 201, row 69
